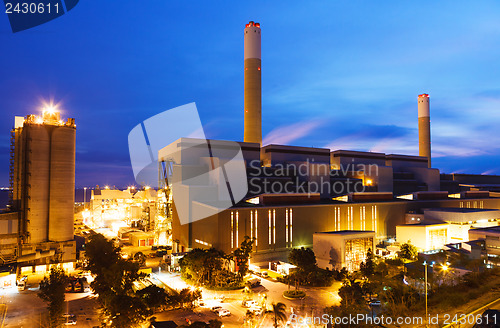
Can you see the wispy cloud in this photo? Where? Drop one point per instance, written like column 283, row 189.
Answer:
column 286, row 134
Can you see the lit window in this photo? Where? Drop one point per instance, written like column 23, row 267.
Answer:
column 274, row 226
column 251, row 224
column 237, row 228
column 270, row 227
column 232, row 229
column 256, row 232
column 286, row 226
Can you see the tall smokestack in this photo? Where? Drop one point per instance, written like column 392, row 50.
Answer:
column 253, row 95
column 424, row 127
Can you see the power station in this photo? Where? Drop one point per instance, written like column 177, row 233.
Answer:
column 253, row 84
column 39, row 223
column 310, row 197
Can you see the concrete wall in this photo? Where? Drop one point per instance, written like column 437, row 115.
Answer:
column 329, row 251
column 307, row 219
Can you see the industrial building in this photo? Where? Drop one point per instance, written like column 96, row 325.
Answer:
column 299, row 195
column 130, row 214
column 39, row 222
column 335, row 250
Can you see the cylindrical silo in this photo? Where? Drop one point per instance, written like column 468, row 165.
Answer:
column 37, row 168
column 424, row 127
column 253, row 88
column 62, row 183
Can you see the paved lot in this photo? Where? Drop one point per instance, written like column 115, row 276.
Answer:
column 24, row 309
column 314, row 303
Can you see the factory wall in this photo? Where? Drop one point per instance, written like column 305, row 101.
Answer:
column 270, row 227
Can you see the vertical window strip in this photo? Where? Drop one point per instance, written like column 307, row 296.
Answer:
column 361, row 217
column 339, row 217
column 352, row 217
column 286, row 226
column 373, row 218
column 237, row 228
column 232, row 229
column 251, row 224
column 256, row 234
column 274, row 226
column 335, row 219
column 291, row 226
column 364, row 217
column 348, row 218
column 270, row 227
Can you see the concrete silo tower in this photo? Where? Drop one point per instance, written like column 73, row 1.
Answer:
column 253, row 88
column 424, row 127
column 43, row 177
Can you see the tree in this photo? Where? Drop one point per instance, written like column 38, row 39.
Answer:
column 242, row 254
column 399, row 299
column 52, row 291
column 408, row 251
column 214, row 323
column 113, row 283
column 278, row 313
column 249, row 319
column 303, row 258
column 208, row 267
column 140, row 258
column 154, row 297
column 367, row 267
column 352, row 296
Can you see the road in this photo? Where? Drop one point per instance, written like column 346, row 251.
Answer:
column 472, row 316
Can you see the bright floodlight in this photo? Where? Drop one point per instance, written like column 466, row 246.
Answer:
column 50, row 109
column 445, row 267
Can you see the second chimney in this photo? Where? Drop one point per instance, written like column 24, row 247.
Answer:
column 424, row 128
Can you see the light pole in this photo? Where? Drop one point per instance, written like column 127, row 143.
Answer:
column 426, row 314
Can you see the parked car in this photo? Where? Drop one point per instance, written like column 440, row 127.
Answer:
column 223, row 313
column 69, row 319
column 248, row 303
column 216, row 308
column 257, row 310
column 264, row 274
column 255, row 282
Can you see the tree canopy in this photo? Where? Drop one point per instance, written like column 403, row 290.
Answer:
column 408, row 251
column 114, row 281
column 52, row 290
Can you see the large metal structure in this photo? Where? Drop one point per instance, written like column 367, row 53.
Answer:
column 253, row 84
column 424, row 127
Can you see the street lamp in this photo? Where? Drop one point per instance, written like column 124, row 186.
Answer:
column 426, row 314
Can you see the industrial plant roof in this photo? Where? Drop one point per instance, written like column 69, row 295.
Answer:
column 345, row 232
column 461, row 210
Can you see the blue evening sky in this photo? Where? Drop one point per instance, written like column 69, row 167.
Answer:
column 337, row 74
